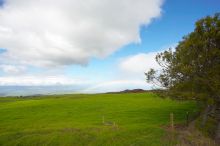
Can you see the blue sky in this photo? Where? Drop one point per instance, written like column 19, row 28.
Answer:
column 111, row 48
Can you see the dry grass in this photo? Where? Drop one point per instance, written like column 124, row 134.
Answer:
column 188, row 136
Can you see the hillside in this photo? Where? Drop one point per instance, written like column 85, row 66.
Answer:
column 101, row 119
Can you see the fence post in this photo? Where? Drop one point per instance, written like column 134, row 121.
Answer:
column 171, row 122
column 187, row 118
column 172, row 127
column 103, row 120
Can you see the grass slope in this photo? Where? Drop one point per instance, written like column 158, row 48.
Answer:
column 77, row 119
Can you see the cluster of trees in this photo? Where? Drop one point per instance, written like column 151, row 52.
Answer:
column 192, row 70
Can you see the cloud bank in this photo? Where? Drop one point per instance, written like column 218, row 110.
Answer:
column 130, row 75
column 40, row 80
column 63, row 32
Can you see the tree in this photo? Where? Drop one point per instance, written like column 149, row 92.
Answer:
column 193, row 69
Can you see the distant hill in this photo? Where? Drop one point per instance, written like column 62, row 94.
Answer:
column 130, row 91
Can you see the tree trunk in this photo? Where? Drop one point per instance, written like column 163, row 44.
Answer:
column 217, row 134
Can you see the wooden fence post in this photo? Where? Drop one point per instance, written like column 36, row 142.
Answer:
column 103, row 120
column 187, row 118
column 172, row 127
column 171, row 122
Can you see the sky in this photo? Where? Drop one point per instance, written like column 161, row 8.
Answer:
column 90, row 46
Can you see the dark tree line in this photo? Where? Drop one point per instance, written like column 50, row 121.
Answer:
column 193, row 69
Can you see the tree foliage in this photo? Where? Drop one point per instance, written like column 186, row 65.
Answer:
column 194, row 66
column 193, row 69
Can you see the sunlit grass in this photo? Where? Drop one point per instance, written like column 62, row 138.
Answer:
column 78, row 119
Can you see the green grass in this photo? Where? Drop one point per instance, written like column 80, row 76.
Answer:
column 75, row 120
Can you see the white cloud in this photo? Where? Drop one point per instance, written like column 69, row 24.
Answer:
column 63, row 32
column 136, row 65
column 12, row 69
column 132, row 69
column 139, row 63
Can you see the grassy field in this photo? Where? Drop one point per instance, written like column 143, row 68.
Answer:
column 75, row 120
